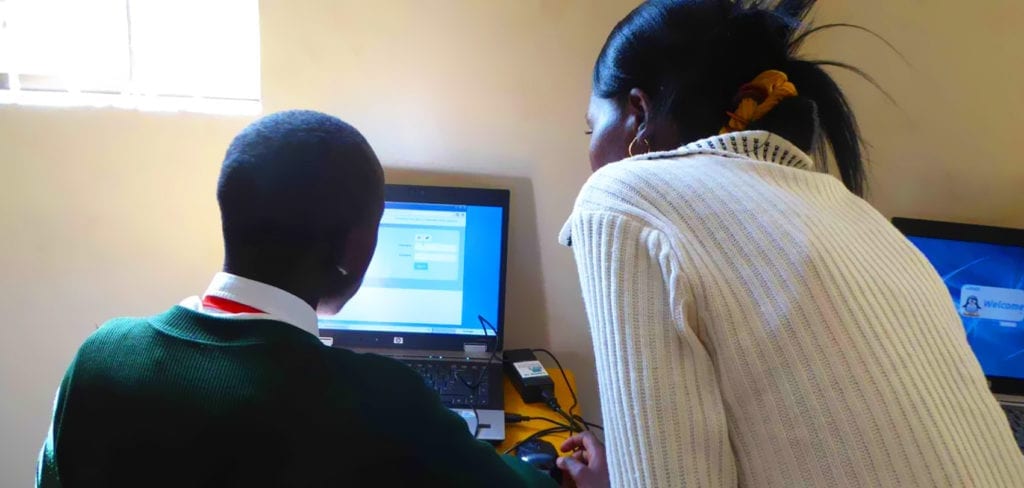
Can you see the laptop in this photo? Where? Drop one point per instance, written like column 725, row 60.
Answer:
column 434, row 297
column 983, row 269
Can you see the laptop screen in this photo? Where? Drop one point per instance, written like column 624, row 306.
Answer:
column 437, row 269
column 986, row 283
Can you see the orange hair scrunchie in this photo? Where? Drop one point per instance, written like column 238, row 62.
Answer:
column 759, row 97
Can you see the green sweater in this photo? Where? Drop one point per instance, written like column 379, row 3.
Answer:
column 184, row 399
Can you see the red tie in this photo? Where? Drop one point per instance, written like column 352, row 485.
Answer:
column 229, row 306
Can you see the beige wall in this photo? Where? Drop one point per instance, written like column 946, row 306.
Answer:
column 949, row 151
column 107, row 212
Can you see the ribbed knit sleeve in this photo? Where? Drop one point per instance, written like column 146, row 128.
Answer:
column 664, row 420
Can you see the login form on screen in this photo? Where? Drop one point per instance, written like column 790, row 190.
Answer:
column 436, row 269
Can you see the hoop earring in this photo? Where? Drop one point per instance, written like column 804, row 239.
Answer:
column 634, row 142
column 343, row 271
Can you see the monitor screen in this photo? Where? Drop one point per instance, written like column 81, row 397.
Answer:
column 986, row 284
column 436, row 270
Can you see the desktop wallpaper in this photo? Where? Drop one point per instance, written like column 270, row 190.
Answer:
column 986, row 284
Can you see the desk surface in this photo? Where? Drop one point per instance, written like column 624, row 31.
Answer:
column 514, row 404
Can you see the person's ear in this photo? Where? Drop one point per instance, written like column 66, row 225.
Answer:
column 360, row 242
column 639, row 115
column 347, row 269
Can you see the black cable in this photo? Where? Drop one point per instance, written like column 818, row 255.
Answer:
column 575, row 421
column 565, row 377
column 536, row 435
column 552, row 421
column 588, row 424
column 516, row 418
column 484, row 323
column 488, row 323
column 552, row 403
column 575, row 403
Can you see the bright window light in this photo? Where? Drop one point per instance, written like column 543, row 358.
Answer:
column 167, row 55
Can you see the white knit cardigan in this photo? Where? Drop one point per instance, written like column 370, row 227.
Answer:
column 756, row 324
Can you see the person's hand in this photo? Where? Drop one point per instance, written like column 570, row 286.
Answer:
column 587, row 464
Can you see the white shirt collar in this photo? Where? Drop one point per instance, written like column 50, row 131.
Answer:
column 276, row 303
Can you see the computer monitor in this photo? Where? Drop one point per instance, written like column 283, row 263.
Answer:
column 983, row 269
column 437, row 278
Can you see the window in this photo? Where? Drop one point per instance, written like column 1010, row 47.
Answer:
column 191, row 55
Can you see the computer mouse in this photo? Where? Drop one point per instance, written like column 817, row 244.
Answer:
column 541, row 455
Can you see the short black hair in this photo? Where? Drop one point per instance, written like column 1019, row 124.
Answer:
column 294, row 179
column 692, row 56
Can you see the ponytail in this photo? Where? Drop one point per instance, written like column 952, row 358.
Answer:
column 692, row 56
column 826, row 121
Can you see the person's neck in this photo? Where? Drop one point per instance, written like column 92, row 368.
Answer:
column 294, row 282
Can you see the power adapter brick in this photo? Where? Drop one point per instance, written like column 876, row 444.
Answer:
column 528, row 375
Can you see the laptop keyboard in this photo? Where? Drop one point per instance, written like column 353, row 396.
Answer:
column 1016, row 417
column 450, row 379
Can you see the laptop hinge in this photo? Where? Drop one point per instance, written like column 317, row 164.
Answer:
column 474, row 348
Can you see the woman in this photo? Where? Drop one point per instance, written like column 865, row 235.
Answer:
column 755, row 322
